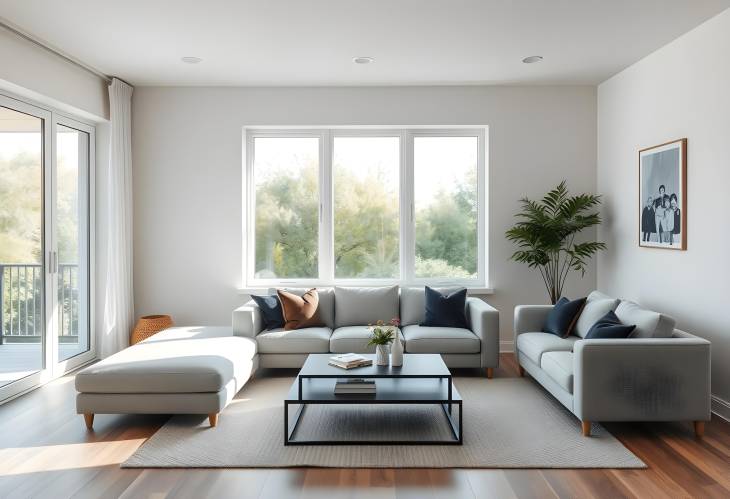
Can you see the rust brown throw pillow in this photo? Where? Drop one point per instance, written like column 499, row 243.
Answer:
column 300, row 311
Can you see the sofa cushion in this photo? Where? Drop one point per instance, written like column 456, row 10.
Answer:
column 649, row 324
column 563, row 316
column 326, row 308
column 413, row 304
column 271, row 312
column 597, row 305
column 358, row 306
column 533, row 345
column 445, row 309
column 559, row 366
column 176, row 360
column 423, row 339
column 307, row 340
column 353, row 339
column 300, row 311
column 597, row 295
column 609, row 327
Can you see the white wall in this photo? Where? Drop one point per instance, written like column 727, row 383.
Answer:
column 38, row 74
column 188, row 171
column 682, row 90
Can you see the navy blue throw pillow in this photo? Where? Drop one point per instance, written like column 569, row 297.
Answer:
column 445, row 310
column 562, row 318
column 609, row 327
column 271, row 311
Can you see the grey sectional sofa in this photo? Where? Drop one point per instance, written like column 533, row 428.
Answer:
column 658, row 374
column 198, row 370
column 346, row 313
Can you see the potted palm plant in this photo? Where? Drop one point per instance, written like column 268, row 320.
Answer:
column 546, row 231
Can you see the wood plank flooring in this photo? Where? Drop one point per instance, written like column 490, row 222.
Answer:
column 45, row 451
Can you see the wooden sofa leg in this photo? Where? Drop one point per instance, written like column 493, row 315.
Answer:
column 89, row 420
column 490, row 372
column 699, row 429
column 213, row 418
column 586, row 426
column 522, row 371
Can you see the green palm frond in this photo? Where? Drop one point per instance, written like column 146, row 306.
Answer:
column 545, row 234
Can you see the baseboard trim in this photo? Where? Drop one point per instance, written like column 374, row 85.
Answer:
column 506, row 346
column 720, row 407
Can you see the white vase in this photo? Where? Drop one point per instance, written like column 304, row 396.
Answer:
column 381, row 358
column 396, row 352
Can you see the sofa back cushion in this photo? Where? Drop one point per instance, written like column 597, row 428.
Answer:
column 649, row 324
column 326, row 308
column 413, row 304
column 597, row 306
column 363, row 306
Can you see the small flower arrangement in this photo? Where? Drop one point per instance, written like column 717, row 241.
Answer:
column 383, row 334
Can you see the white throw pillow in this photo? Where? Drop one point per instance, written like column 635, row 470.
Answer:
column 593, row 310
column 649, row 324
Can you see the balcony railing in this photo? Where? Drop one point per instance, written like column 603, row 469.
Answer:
column 21, row 302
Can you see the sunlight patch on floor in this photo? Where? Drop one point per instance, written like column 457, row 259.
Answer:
column 20, row 460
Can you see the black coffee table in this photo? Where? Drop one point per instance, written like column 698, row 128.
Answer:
column 423, row 379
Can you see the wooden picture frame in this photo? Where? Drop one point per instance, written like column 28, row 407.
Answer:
column 663, row 196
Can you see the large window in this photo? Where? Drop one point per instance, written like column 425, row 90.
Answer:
column 353, row 206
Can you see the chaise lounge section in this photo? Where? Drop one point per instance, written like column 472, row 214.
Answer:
column 181, row 370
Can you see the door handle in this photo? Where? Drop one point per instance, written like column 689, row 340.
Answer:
column 54, row 263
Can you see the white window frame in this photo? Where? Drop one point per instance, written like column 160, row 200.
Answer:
column 326, row 206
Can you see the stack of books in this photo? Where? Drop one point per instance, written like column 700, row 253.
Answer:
column 349, row 360
column 357, row 386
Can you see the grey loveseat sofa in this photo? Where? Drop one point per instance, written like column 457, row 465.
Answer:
column 346, row 312
column 658, row 374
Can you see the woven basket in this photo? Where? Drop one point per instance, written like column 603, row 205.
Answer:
column 148, row 325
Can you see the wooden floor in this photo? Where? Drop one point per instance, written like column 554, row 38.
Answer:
column 45, row 451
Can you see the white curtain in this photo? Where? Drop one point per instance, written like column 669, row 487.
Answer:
column 118, row 296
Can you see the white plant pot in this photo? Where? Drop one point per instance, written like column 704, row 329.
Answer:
column 381, row 358
column 396, row 353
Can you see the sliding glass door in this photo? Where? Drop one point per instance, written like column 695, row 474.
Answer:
column 71, row 203
column 22, row 263
column 45, row 166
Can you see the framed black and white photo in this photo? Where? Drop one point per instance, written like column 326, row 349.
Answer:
column 663, row 196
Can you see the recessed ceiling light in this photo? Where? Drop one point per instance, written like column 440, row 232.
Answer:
column 191, row 60
column 532, row 59
column 363, row 60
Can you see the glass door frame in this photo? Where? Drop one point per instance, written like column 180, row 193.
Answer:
column 61, row 367
column 52, row 368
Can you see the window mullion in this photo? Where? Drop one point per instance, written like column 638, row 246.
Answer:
column 407, row 224
column 326, row 216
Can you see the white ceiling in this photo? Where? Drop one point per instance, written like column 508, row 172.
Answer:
column 312, row 42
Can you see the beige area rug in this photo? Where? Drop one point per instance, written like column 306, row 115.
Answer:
column 508, row 423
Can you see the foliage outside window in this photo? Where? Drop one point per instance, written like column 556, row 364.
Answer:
column 331, row 206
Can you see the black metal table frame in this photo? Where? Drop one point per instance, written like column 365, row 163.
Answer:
column 446, row 405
